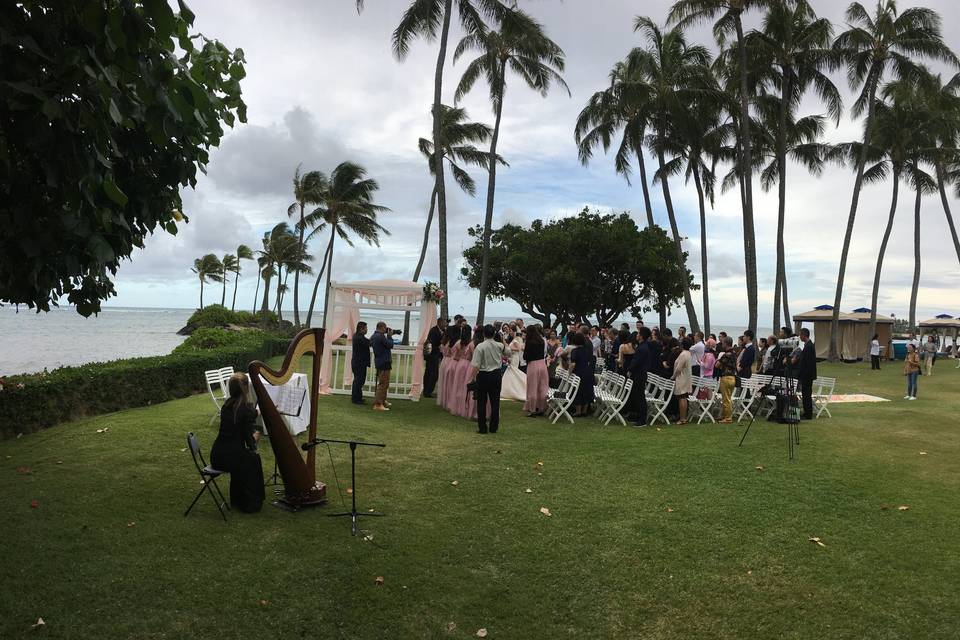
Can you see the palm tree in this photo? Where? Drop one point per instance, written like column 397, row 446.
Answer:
column 207, row 268
column 458, row 136
column 922, row 183
column 423, row 19
column 243, row 253
column 620, row 107
column 229, row 265
column 870, row 47
column 277, row 246
column 522, row 47
column 347, row 207
column 796, row 44
column 308, row 189
column 677, row 74
column 730, row 12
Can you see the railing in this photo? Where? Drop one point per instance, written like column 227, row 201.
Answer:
column 401, row 373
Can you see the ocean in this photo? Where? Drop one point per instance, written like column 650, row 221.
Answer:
column 31, row 342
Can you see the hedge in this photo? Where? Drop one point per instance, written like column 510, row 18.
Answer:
column 29, row 403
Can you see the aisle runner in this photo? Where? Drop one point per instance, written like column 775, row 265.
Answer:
column 856, row 397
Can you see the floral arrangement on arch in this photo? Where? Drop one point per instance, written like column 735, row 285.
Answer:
column 432, row 292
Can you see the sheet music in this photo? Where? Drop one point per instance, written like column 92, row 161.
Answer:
column 290, row 399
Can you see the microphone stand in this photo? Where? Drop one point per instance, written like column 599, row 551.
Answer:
column 353, row 513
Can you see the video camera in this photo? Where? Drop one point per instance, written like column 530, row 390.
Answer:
column 789, row 343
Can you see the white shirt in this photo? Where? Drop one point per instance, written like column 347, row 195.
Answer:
column 696, row 352
column 596, row 342
column 874, row 347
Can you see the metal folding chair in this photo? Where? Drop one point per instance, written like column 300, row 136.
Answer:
column 822, row 395
column 702, row 407
column 661, row 398
column 562, row 399
column 215, row 377
column 208, row 476
column 749, row 394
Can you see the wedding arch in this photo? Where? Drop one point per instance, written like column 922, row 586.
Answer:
column 347, row 299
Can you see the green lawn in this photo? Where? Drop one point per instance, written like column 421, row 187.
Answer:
column 655, row 533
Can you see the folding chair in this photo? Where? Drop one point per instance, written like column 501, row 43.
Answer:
column 561, row 400
column 703, row 407
column 824, row 391
column 618, row 402
column 607, row 391
column 749, row 394
column 208, row 476
column 215, row 377
column 660, row 399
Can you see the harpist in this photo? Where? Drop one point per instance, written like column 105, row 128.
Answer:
column 234, row 450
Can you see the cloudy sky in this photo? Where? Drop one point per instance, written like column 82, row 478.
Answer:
column 322, row 87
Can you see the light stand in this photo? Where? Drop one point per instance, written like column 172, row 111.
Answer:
column 790, row 414
column 353, row 513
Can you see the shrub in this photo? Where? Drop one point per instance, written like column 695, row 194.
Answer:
column 212, row 315
column 245, row 318
column 216, row 338
column 31, row 402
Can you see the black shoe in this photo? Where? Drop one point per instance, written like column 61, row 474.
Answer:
column 493, row 430
column 484, row 431
column 358, row 402
column 427, row 395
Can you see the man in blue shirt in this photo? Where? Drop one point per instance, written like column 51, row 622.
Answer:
column 382, row 343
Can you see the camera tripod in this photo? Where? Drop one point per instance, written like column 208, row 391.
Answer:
column 789, row 410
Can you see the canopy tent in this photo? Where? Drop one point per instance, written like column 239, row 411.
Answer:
column 862, row 335
column 943, row 325
column 347, row 298
column 822, row 317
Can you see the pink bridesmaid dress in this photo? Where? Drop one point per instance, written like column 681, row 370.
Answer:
column 538, row 383
column 459, row 388
column 448, row 377
column 441, row 386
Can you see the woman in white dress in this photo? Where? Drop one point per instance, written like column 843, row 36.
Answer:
column 514, row 385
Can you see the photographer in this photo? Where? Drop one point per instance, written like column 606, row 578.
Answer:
column 382, row 343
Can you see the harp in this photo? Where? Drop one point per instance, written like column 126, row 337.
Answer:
column 299, row 476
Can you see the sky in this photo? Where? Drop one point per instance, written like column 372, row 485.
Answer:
column 323, row 87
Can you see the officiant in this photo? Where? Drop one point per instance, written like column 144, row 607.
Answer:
column 359, row 362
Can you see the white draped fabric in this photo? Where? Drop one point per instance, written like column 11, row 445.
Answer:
column 346, row 301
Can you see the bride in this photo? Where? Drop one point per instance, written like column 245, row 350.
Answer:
column 514, row 385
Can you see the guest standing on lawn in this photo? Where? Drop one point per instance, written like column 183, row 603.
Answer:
column 806, row 364
column 683, row 378
column 929, row 355
column 487, row 372
column 382, row 344
column 875, row 352
column 433, row 357
column 911, row 369
column 580, row 365
column 359, row 362
column 639, row 368
column 727, row 368
column 234, row 450
column 538, row 378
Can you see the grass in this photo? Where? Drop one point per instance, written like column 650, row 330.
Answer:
column 668, row 533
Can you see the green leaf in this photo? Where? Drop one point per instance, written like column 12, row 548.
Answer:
column 171, row 227
column 99, row 248
column 161, row 15
column 185, row 12
column 113, row 192
column 115, row 112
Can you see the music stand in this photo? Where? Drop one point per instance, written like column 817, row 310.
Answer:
column 353, row 513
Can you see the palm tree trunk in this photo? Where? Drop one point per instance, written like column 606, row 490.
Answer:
column 316, row 286
column 857, row 185
column 438, row 156
column 279, row 285
column 786, row 307
column 265, row 307
column 256, row 292
column 201, row 294
column 883, row 250
column 746, row 167
column 233, row 303
column 638, row 145
column 423, row 255
column 687, row 300
column 782, row 195
column 283, row 290
column 703, row 249
column 916, row 261
column 223, row 296
column 326, row 294
column 491, row 192
column 946, row 209
column 296, row 275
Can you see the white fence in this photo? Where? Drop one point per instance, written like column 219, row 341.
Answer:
column 401, row 374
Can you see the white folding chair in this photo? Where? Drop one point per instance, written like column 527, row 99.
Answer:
column 702, row 407
column 822, row 394
column 560, row 402
column 749, row 394
column 215, row 377
column 661, row 399
column 614, row 399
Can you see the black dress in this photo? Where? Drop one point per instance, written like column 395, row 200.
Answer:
column 234, row 451
column 582, row 358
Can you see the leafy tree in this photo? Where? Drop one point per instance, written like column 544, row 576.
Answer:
column 427, row 19
column 347, row 208
column 208, row 268
column 108, row 110
column 520, row 46
column 577, row 267
column 871, row 46
column 308, row 189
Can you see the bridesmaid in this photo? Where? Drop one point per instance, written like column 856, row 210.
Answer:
column 444, row 363
column 461, row 372
column 538, row 378
column 468, row 406
column 451, row 371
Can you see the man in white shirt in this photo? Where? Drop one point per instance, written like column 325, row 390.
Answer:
column 487, row 372
column 697, row 351
column 595, row 340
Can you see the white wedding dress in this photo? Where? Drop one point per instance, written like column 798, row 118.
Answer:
column 514, row 386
